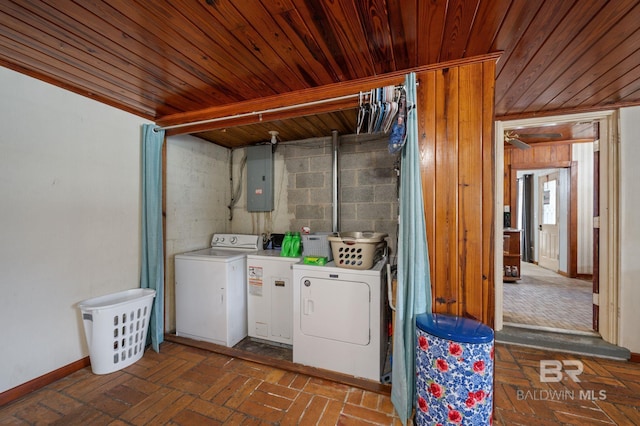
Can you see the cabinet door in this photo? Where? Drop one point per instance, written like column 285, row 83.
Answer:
column 281, row 307
column 336, row 310
column 200, row 304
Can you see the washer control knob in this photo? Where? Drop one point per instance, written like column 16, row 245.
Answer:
column 234, row 240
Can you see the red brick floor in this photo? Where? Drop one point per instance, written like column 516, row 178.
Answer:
column 188, row 386
column 608, row 392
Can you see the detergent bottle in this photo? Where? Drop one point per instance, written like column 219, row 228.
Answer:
column 296, row 246
column 285, row 251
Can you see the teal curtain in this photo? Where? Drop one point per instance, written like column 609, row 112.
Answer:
column 152, row 270
column 413, row 295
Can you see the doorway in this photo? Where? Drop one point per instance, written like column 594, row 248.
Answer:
column 605, row 225
column 549, row 293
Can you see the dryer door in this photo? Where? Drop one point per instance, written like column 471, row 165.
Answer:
column 336, row 310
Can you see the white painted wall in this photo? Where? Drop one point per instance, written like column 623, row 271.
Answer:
column 198, row 194
column 583, row 154
column 629, row 228
column 69, row 219
column 564, row 185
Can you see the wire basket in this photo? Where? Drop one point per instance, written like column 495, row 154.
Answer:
column 317, row 245
column 358, row 250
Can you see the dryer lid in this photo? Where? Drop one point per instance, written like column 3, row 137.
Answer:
column 214, row 253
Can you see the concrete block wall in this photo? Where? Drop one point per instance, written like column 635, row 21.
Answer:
column 261, row 222
column 368, row 185
column 198, row 193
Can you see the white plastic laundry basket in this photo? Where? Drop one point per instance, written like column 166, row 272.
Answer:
column 116, row 328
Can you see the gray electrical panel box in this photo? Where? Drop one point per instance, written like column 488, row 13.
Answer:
column 260, row 178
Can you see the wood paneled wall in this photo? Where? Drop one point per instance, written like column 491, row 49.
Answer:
column 537, row 157
column 455, row 126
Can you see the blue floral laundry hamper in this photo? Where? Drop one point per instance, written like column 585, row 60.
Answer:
column 454, row 371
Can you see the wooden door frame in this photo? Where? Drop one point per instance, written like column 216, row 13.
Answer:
column 609, row 264
column 572, row 225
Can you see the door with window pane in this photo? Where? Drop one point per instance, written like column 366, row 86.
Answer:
column 549, row 236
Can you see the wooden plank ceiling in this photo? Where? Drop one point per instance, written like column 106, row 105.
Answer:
column 169, row 61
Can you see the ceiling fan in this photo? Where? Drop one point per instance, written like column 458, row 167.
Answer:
column 515, row 139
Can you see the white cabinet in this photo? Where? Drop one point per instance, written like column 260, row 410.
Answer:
column 270, row 296
column 211, row 299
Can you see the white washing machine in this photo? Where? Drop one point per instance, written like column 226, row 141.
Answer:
column 211, row 297
column 340, row 318
column 270, row 296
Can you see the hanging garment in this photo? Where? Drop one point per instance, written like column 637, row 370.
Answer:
column 378, row 109
column 392, row 108
column 398, row 135
column 374, row 109
column 364, row 112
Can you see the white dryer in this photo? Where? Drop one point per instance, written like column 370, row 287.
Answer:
column 270, row 296
column 211, row 296
column 340, row 318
